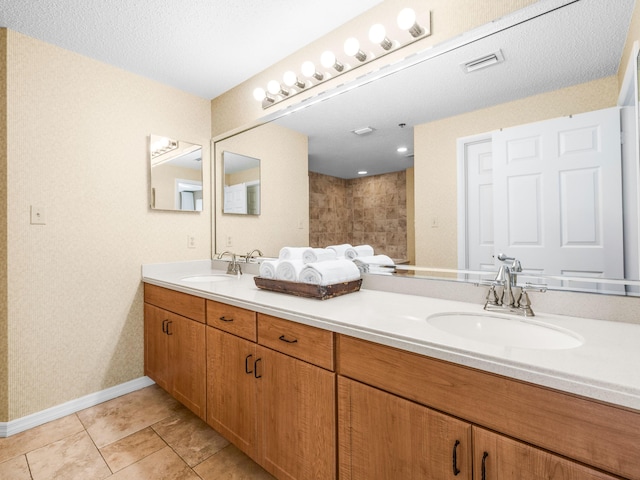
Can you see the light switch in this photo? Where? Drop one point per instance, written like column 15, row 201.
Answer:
column 38, row 215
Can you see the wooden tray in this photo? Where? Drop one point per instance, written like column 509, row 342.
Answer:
column 321, row 292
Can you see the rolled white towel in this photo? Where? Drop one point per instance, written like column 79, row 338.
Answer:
column 312, row 255
column 376, row 260
column 268, row 269
column 340, row 249
column 372, row 263
column 289, row 270
column 359, row 251
column 291, row 253
column 329, row 272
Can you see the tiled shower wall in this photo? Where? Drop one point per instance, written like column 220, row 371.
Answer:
column 369, row 210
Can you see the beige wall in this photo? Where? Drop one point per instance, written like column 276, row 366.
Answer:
column 4, row 308
column 436, row 164
column 632, row 36
column 284, row 192
column 243, row 176
column 77, row 146
column 237, row 109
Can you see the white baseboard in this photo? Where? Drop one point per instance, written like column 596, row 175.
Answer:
column 25, row 423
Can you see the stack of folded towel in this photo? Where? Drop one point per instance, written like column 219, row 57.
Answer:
column 317, row 266
column 324, row 266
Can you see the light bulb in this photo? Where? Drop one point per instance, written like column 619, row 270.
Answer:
column 275, row 88
column 259, row 94
column 309, row 70
column 329, row 60
column 407, row 21
column 378, row 35
column 290, row 79
column 352, row 48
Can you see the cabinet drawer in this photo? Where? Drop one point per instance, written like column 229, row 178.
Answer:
column 310, row 344
column 602, row 435
column 177, row 302
column 235, row 320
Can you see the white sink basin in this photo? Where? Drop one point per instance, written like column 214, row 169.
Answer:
column 214, row 277
column 506, row 331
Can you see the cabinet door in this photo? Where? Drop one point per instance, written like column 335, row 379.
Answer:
column 231, row 388
column 298, row 418
column 496, row 457
column 156, row 346
column 187, row 339
column 382, row 436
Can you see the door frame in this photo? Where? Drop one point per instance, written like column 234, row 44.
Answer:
column 462, row 144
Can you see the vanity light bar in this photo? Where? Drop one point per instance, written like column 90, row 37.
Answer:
column 406, row 21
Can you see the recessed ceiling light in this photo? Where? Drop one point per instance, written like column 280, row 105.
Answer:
column 363, row 130
column 402, row 149
column 362, row 172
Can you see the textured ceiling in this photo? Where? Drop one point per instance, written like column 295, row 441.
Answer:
column 204, row 47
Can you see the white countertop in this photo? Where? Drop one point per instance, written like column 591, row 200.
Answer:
column 605, row 367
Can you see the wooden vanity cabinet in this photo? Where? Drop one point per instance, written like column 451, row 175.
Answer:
column 276, row 407
column 601, row 436
column 297, row 391
column 174, row 345
column 497, row 457
column 232, row 399
column 383, row 436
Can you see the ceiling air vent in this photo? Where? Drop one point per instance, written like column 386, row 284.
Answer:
column 483, row 62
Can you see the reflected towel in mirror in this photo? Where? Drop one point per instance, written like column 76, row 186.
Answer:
column 359, row 251
column 312, row 255
column 291, row 253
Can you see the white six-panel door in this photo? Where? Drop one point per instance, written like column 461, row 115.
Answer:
column 556, row 195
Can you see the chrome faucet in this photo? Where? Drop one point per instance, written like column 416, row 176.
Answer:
column 249, row 256
column 234, row 266
column 504, row 295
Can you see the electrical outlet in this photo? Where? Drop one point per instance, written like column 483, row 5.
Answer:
column 228, row 241
column 191, row 241
column 38, row 216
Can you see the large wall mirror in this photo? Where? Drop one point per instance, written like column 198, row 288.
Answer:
column 176, row 174
column 241, row 184
column 543, row 63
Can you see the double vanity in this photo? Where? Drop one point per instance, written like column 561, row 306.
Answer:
column 382, row 385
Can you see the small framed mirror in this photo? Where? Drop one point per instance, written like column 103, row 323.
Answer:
column 241, row 184
column 176, row 174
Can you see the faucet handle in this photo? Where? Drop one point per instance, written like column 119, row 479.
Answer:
column 515, row 265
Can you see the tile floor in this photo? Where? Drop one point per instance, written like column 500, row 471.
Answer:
column 145, row 435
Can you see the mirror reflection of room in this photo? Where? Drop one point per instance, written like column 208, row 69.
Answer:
column 176, row 174
column 241, row 184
